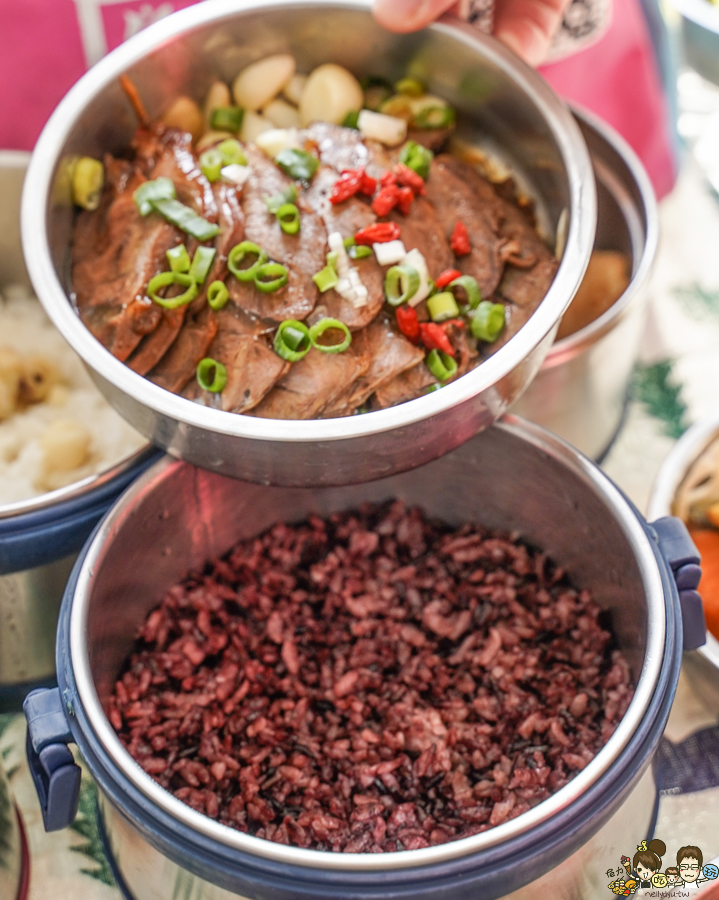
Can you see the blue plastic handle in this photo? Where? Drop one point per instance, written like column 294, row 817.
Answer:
column 678, row 549
column 54, row 771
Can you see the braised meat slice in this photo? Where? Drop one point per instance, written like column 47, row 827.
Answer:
column 153, row 347
column 242, row 346
column 422, row 228
column 303, row 253
column 390, row 354
column 406, row 386
column 345, row 148
column 179, row 364
column 315, row 382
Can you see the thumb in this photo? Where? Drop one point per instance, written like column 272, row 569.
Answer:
column 528, row 26
column 409, row 15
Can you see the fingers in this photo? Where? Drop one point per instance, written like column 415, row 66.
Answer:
column 409, row 15
column 528, row 26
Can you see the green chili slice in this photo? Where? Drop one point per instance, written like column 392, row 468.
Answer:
column 434, row 117
column 237, row 255
column 165, row 279
column 232, row 152
column 442, row 307
column 351, row 119
column 417, row 158
column 211, row 375
column 288, row 216
column 227, row 118
column 201, row 262
column 410, row 87
column 325, row 325
column 400, row 284
column 217, row 295
column 298, row 164
column 179, row 258
column 441, row 365
column 471, row 289
column 270, row 277
column 289, row 195
column 326, row 278
column 151, row 191
column 487, row 321
column 186, row 219
column 355, row 250
column 211, row 163
column 292, row 340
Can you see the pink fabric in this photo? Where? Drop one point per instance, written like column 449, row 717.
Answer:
column 617, row 78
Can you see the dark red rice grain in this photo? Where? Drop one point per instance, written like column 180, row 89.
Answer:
column 371, row 682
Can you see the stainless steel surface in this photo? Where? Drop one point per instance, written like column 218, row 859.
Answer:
column 11, row 861
column 700, row 36
column 702, row 665
column 502, row 103
column 513, row 476
column 581, row 389
column 151, row 876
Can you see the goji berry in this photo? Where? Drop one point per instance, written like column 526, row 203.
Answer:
column 459, row 242
column 368, row 185
column 347, row 185
column 379, row 233
column 408, row 323
column 387, row 177
column 434, row 337
column 447, row 277
column 386, row 199
column 404, row 200
column 408, row 177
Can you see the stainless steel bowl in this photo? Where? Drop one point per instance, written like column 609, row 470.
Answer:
column 32, row 580
column 700, row 36
column 581, row 390
column 702, row 665
column 504, row 106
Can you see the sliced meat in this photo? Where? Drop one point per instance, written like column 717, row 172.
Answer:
column 390, row 354
column 303, row 254
column 515, row 318
column 410, row 384
column 179, row 364
column 314, row 383
column 528, row 287
column 422, row 229
column 155, row 345
column 453, row 188
column 242, row 346
column 344, row 148
column 432, row 138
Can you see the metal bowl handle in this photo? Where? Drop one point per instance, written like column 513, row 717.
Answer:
column 54, row 771
column 682, row 557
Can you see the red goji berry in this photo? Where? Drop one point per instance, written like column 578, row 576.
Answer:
column 347, row 185
column 387, row 178
column 459, row 242
column 408, row 323
column 368, row 185
column 386, row 199
column 447, row 277
column 379, row 233
column 410, row 178
column 404, row 200
column 434, row 337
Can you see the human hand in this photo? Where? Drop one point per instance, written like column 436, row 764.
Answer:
column 525, row 26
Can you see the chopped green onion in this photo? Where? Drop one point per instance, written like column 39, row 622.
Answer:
column 165, row 279
column 487, row 321
column 397, row 106
column 211, row 164
column 442, row 307
column 355, row 250
column 441, row 365
column 410, row 87
column 289, row 218
column 298, row 164
column 217, row 295
column 201, row 262
column 351, row 119
column 232, row 152
column 186, row 219
column 401, row 284
column 238, row 253
column 325, row 279
column 434, row 117
column 471, row 289
column 292, row 340
column 211, row 375
column 152, row 191
column 289, row 195
column 179, row 258
column 327, row 324
column 432, row 388
column 332, row 258
column 88, row 179
column 227, row 118
column 275, row 272
column 417, row 158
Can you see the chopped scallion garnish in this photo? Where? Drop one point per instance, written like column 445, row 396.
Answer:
column 321, row 328
column 201, row 262
column 238, row 254
column 227, row 118
column 487, row 321
column 471, row 289
column 217, row 295
column 186, row 219
column 211, row 375
column 417, row 158
column 355, row 250
column 292, row 340
column 211, row 164
column 298, row 164
column 165, row 279
column 351, row 119
column 270, row 277
column 410, row 87
column 325, row 279
column 442, row 307
column 434, row 117
column 401, row 284
column 288, row 215
column 179, row 259
column 441, row 365
column 289, row 195
column 152, row 191
column 232, row 152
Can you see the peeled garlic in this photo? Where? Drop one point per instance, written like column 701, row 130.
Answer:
column 185, row 115
column 281, row 114
column 253, row 126
column 330, row 93
column 385, row 129
column 66, row 446
column 294, row 87
column 260, row 82
column 39, row 375
column 218, row 95
column 276, row 140
column 10, row 374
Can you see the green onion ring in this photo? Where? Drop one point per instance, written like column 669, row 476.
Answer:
column 442, row 306
column 401, row 284
column 211, row 164
column 487, row 321
column 178, row 258
column 217, row 295
column 238, row 253
column 276, row 272
column 434, row 117
column 232, row 152
column 470, row 287
column 323, row 325
column 289, row 340
column 211, row 375
column 289, row 218
column 201, row 262
column 325, row 279
column 441, row 365
column 164, row 279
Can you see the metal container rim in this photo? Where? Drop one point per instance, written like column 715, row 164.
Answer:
column 700, row 12
column 36, row 198
column 544, row 442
